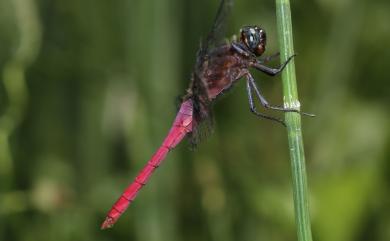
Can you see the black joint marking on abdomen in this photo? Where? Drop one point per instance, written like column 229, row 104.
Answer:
column 117, row 209
column 167, row 147
column 140, row 183
column 123, row 195
column 151, row 164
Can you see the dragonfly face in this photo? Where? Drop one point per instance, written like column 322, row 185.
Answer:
column 254, row 39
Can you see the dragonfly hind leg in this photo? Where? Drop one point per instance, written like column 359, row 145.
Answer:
column 253, row 108
column 264, row 102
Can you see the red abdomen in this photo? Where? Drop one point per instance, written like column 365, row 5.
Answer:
column 182, row 125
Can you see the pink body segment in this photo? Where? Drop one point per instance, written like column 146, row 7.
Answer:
column 182, row 125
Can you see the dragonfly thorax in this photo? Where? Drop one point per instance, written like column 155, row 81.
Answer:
column 254, row 38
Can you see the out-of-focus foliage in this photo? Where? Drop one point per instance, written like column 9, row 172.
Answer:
column 88, row 90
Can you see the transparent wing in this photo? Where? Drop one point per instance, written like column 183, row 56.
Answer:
column 202, row 107
column 218, row 30
column 202, row 114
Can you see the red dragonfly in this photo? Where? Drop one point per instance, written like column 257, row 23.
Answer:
column 219, row 65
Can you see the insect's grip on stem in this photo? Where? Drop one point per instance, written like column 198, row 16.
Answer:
column 293, row 122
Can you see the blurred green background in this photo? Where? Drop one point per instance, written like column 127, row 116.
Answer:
column 88, row 91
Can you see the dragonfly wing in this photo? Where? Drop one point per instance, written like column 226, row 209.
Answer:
column 218, row 31
column 202, row 105
column 202, row 114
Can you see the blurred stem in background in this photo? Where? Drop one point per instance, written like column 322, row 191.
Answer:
column 156, row 81
column 13, row 77
column 293, row 121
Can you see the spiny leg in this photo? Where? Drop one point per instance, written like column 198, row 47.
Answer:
column 252, row 104
column 242, row 50
column 268, row 70
column 265, row 103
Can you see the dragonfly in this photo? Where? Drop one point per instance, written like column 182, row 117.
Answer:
column 219, row 65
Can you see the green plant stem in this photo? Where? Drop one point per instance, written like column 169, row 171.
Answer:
column 293, row 122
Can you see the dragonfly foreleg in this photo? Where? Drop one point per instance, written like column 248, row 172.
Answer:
column 252, row 104
column 268, row 70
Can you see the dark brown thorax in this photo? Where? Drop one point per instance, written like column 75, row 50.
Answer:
column 221, row 69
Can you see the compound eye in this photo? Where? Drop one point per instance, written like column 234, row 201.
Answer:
column 252, row 41
column 254, row 38
column 250, row 38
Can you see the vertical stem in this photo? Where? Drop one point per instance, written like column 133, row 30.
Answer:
column 293, row 122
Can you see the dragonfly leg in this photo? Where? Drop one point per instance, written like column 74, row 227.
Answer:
column 253, row 108
column 268, row 70
column 265, row 103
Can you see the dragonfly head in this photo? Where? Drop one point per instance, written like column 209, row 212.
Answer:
column 254, row 39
